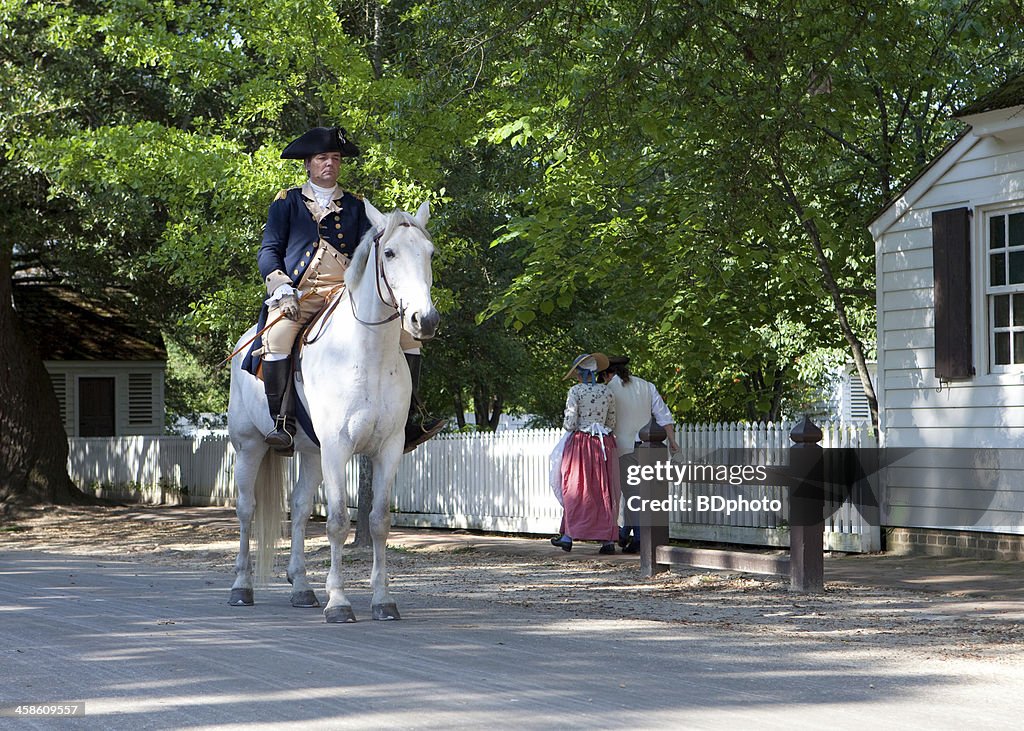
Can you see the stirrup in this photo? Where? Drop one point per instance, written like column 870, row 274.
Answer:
column 280, row 437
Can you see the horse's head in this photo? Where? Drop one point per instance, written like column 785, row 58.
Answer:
column 405, row 251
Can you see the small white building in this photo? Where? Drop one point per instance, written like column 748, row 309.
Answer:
column 847, row 402
column 950, row 301
column 107, row 373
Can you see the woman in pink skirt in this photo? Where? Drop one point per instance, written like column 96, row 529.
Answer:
column 590, row 476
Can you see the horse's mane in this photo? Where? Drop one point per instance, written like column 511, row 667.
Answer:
column 357, row 267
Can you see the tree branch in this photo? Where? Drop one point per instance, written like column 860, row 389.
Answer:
column 810, row 228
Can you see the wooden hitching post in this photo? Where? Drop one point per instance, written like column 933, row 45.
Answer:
column 650, row 450
column 806, row 511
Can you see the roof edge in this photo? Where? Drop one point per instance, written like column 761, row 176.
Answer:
column 912, row 191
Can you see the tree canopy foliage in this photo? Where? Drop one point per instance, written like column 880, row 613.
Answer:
column 710, row 167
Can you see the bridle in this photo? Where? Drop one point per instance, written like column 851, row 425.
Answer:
column 381, row 275
column 321, row 318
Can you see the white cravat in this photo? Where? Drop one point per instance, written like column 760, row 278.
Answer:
column 323, row 196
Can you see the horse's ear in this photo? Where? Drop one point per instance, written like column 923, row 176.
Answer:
column 423, row 214
column 377, row 219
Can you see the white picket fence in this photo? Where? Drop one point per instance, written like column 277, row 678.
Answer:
column 488, row 481
column 845, row 530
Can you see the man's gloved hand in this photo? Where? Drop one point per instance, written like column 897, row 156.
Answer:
column 287, row 299
column 290, row 306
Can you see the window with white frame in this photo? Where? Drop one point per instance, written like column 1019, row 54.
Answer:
column 1005, row 289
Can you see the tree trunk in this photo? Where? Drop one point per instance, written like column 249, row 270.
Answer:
column 479, row 408
column 487, row 409
column 460, row 409
column 378, row 40
column 778, row 389
column 363, row 538
column 497, row 404
column 33, row 445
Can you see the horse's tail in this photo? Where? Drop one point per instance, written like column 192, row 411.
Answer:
column 266, row 524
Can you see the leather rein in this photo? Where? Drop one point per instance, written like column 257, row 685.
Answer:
column 381, row 275
column 321, row 318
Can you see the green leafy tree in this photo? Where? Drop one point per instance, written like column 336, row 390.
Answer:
column 46, row 236
column 724, row 159
column 140, row 156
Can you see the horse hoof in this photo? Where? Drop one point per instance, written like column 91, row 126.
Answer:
column 241, row 598
column 385, row 611
column 341, row 614
column 305, row 599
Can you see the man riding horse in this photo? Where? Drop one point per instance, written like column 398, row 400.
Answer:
column 310, row 237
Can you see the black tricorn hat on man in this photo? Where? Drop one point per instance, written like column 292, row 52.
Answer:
column 318, row 140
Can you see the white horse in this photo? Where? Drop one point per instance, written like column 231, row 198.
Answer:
column 357, row 390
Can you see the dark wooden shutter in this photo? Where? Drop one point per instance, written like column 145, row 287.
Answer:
column 96, row 408
column 951, row 251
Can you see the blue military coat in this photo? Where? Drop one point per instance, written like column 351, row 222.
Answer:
column 292, row 234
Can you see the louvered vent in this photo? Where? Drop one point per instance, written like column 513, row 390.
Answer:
column 854, row 401
column 60, row 389
column 859, row 409
column 140, row 399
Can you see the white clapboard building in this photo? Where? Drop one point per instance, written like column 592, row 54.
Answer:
column 950, row 298
column 107, row 371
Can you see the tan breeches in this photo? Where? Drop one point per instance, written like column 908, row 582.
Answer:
column 325, row 272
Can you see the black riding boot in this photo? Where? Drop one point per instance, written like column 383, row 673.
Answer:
column 276, row 377
column 419, row 428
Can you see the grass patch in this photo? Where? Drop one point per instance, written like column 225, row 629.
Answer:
column 400, row 549
column 463, row 549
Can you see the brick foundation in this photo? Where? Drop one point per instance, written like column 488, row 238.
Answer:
column 967, row 544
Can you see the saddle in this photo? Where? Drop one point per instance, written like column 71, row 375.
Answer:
column 289, row 403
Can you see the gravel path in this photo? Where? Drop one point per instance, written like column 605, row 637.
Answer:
column 525, row 574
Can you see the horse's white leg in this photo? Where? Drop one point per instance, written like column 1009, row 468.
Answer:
column 247, row 466
column 310, row 475
column 385, row 466
column 339, row 608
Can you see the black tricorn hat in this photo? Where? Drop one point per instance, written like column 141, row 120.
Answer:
column 619, row 360
column 320, row 139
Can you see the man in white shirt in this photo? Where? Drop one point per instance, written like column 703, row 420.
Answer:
column 636, row 400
